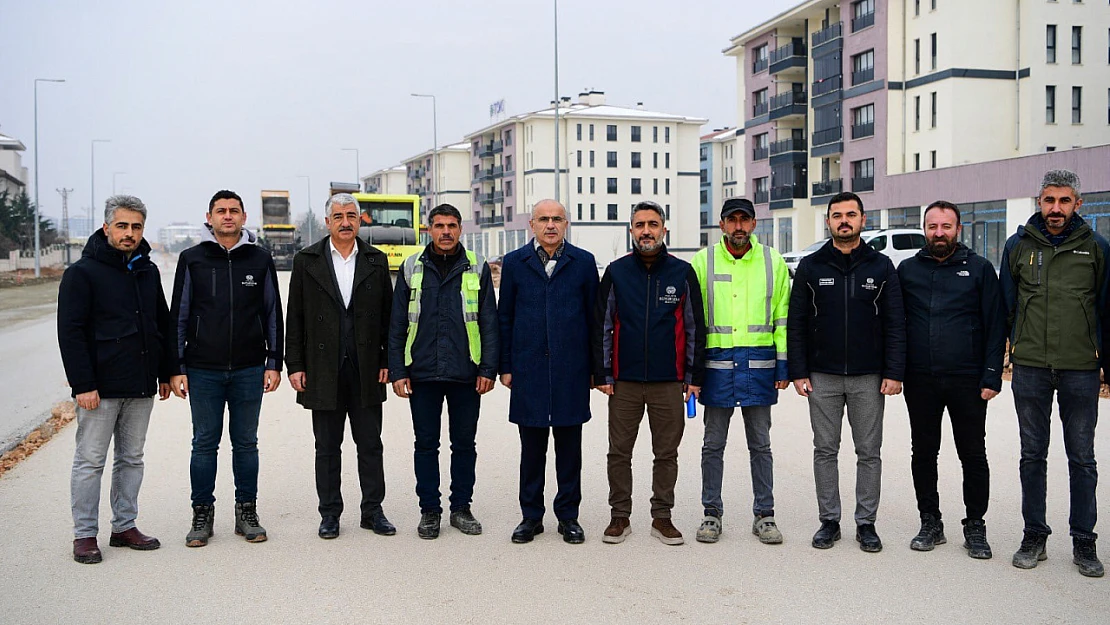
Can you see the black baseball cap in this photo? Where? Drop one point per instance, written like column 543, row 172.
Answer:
column 735, row 204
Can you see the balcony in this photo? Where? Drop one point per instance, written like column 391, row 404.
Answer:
column 828, row 187
column 863, row 21
column 863, row 184
column 760, row 153
column 827, row 85
column 788, row 192
column 831, row 135
column 486, row 221
column 860, row 131
column 486, row 199
column 486, row 150
column 863, row 75
column 497, row 147
column 416, row 172
column 497, row 171
column 788, row 145
column 791, row 55
column 371, row 188
column 759, row 109
column 832, row 33
column 760, row 197
column 498, row 197
column 759, row 65
column 788, row 103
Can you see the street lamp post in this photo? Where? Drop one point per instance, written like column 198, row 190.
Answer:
column 114, row 174
column 311, row 219
column 92, row 176
column 556, row 21
column 38, row 265
column 435, row 149
column 358, row 170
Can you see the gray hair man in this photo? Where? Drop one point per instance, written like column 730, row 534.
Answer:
column 1054, row 279
column 112, row 314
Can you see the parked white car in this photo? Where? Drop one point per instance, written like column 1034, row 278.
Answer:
column 897, row 243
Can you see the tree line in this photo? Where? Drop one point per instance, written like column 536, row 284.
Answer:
column 17, row 224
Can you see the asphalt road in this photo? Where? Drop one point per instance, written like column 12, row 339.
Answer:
column 364, row 578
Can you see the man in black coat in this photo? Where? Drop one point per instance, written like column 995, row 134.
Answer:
column 339, row 305
column 955, row 339
column 846, row 346
column 112, row 316
column 443, row 345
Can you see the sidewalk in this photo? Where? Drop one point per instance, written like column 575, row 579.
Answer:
column 360, row 577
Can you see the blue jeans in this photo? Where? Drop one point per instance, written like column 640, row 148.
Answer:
column 426, row 403
column 1077, row 394
column 124, row 420
column 209, row 391
column 757, row 426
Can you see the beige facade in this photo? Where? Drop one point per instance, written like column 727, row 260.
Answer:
column 389, row 181
column 13, row 175
column 450, row 170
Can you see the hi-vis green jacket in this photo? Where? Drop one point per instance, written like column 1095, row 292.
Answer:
column 746, row 302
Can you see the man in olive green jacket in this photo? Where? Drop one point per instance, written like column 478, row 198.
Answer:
column 1054, row 281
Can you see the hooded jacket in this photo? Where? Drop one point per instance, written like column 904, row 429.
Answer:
column 112, row 319
column 226, row 307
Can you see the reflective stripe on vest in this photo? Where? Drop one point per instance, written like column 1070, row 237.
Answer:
column 471, row 284
column 713, row 277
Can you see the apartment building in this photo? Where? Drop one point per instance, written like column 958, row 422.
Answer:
column 722, row 177
column 13, row 175
column 388, row 181
column 451, row 172
column 610, row 158
column 867, row 95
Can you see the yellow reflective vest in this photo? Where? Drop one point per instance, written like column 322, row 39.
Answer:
column 471, row 282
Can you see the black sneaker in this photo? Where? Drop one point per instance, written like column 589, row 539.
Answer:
column 246, row 522
column 463, row 520
column 868, row 539
column 1084, row 554
column 975, row 539
column 1032, row 550
column 827, row 535
column 429, row 525
column 930, row 535
column 201, row 529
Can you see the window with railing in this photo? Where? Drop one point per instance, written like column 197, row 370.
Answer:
column 760, row 148
column 863, row 14
column 863, row 175
column 760, row 61
column 863, row 121
column 761, row 195
column 759, row 103
column 863, row 67
column 828, row 187
column 827, row 125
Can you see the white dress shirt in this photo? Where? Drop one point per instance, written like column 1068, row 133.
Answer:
column 344, row 271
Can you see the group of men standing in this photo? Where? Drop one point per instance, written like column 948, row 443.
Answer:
column 728, row 329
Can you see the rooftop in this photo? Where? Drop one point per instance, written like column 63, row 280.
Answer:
column 8, row 143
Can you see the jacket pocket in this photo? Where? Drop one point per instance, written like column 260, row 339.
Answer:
column 118, row 349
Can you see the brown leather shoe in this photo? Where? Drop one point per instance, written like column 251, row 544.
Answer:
column 86, row 551
column 619, row 528
column 666, row 532
column 135, row 539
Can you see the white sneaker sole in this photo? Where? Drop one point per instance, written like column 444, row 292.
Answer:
column 616, row 540
column 666, row 541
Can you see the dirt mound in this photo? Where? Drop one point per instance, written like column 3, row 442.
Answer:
column 61, row 414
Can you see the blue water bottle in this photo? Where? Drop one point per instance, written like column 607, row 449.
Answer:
column 691, row 406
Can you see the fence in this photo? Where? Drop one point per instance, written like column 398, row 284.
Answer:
column 52, row 256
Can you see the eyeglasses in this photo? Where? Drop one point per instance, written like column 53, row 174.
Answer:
column 546, row 219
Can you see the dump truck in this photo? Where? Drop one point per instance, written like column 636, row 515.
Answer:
column 279, row 234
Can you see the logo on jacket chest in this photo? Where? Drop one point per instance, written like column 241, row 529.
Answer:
column 826, row 282
column 669, row 295
column 869, row 285
column 249, row 281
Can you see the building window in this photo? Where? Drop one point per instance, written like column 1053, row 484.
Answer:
column 1077, row 105
column 863, row 175
column 591, row 137
column 760, row 59
column 933, row 109
column 508, row 164
column 1050, row 43
column 863, row 67
column 917, row 112
column 909, row 217
column 933, row 159
column 761, row 149
column 593, row 212
column 704, row 196
column 611, row 132
column 667, row 186
column 611, row 212
column 759, row 103
column 863, row 121
column 655, row 160
column 786, row 234
column 508, row 137
column 933, row 51
column 578, row 132
column 635, row 134
column 593, row 187
column 611, row 183
column 933, row 5
column 1076, row 45
column 863, row 14
column 655, row 186
column 635, row 160
column 611, row 159
column 762, row 190
column 916, row 7
column 579, row 159
column 1050, row 104
column 704, row 237
column 667, row 134
column 580, row 212
column 704, row 155
column 655, row 134
column 635, row 186
column 917, row 161
column 667, row 160
column 917, row 56
column 580, row 184
column 591, row 158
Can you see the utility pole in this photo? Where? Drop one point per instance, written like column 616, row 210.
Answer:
column 65, row 219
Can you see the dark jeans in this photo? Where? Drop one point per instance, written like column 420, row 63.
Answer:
column 366, row 431
column 1077, row 394
column 426, row 404
column 926, row 398
column 209, row 391
column 568, row 470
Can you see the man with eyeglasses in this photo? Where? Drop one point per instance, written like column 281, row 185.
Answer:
column 548, row 288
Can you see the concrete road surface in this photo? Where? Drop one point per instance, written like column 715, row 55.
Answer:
column 362, row 578
column 31, row 374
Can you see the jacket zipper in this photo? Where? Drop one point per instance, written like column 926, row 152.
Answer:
column 230, row 312
column 647, row 322
column 847, row 285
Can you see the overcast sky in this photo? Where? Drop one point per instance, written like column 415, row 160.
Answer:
column 199, row 96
